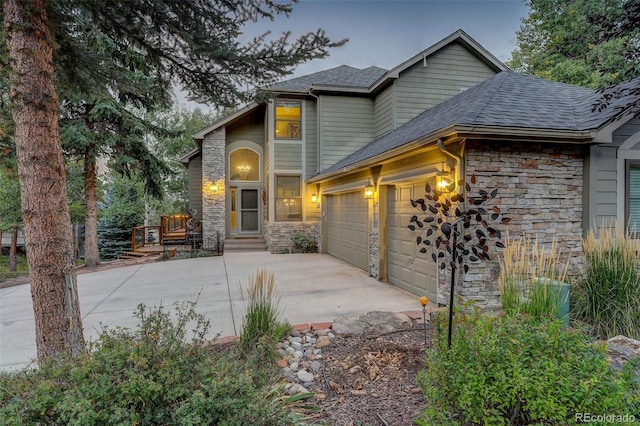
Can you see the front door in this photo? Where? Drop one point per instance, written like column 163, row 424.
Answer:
column 245, row 213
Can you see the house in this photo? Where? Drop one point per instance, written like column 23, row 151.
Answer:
column 339, row 154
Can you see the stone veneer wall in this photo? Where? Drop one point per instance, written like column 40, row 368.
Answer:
column 540, row 188
column 278, row 234
column 374, row 253
column 213, row 172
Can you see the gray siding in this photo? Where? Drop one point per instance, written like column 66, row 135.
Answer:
column 448, row 71
column 602, row 177
column 195, row 185
column 347, row 125
column 287, row 156
column 311, row 138
column 383, row 112
column 249, row 129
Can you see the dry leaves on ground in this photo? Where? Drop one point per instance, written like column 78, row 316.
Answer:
column 371, row 381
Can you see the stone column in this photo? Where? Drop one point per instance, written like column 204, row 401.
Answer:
column 213, row 187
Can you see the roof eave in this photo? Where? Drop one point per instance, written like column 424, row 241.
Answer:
column 226, row 120
column 525, row 133
column 466, row 131
column 386, row 156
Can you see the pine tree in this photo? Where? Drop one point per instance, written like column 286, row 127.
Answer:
column 89, row 45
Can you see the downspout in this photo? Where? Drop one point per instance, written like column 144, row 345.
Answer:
column 319, row 160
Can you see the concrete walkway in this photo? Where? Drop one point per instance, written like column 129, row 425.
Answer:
column 313, row 288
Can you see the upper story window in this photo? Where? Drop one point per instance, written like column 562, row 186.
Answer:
column 633, row 196
column 288, row 119
column 244, row 164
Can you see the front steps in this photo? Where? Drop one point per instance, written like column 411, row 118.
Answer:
column 133, row 255
column 244, row 244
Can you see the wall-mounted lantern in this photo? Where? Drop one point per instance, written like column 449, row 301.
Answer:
column 314, row 198
column 370, row 191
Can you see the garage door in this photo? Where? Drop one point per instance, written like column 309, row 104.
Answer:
column 347, row 229
column 408, row 268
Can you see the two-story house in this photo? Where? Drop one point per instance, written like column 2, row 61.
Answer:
column 340, row 153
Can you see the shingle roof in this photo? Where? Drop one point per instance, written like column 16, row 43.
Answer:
column 507, row 100
column 342, row 76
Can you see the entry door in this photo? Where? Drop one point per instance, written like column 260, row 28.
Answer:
column 249, row 210
column 245, row 214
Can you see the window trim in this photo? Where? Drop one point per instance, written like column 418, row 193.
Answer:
column 629, row 163
column 291, row 122
column 276, row 197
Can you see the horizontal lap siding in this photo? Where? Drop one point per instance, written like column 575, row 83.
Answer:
column 195, row 185
column 249, row 129
column 347, row 125
column 383, row 112
column 603, row 177
column 287, row 156
column 448, row 71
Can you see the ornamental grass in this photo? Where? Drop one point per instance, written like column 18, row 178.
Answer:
column 607, row 295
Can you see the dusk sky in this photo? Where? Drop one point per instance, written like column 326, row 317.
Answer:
column 385, row 33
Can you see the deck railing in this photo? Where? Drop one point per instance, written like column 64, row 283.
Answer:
column 142, row 236
column 172, row 229
column 173, row 223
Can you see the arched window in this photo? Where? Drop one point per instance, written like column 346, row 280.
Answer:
column 244, row 165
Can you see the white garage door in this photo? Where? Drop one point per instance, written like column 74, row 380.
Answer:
column 408, row 268
column 347, row 229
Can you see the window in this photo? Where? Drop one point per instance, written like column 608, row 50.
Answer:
column 244, row 164
column 288, row 119
column 632, row 207
column 288, row 198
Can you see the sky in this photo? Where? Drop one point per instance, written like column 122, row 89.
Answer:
column 385, row 33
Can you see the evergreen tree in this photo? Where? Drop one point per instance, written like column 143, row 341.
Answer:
column 121, row 210
column 592, row 43
column 134, row 44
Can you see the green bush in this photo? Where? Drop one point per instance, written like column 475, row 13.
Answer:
column 303, row 242
column 517, row 370
column 607, row 296
column 148, row 376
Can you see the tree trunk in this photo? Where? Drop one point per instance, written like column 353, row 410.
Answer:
column 91, row 253
column 13, row 251
column 41, row 171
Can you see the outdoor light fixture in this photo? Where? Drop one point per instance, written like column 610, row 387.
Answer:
column 369, row 191
column 314, row 198
column 443, row 178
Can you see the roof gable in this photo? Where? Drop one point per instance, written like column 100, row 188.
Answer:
column 369, row 79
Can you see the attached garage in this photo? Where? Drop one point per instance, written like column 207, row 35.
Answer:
column 347, row 228
column 407, row 267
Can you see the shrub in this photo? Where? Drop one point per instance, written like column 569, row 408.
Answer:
column 261, row 327
column 516, row 370
column 303, row 242
column 607, row 296
column 530, row 276
column 148, row 376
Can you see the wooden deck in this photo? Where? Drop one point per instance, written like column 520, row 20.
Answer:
column 174, row 234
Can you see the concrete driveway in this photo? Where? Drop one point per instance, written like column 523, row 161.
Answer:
column 313, row 288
